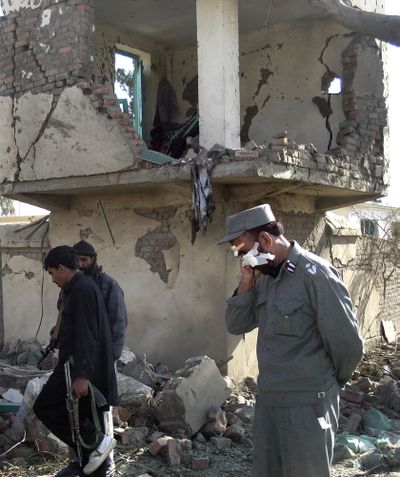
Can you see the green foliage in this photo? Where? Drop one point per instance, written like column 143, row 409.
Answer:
column 125, row 80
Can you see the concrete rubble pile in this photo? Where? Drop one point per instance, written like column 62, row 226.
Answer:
column 183, row 419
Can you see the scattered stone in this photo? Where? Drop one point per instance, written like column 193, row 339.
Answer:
column 236, row 432
column 216, row 424
column 158, row 444
column 134, row 436
column 353, row 423
column 200, row 438
column 132, row 394
column 221, row 443
column 200, row 463
column 246, row 414
column 174, row 452
column 185, row 401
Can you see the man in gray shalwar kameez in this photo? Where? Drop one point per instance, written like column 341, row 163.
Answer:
column 308, row 344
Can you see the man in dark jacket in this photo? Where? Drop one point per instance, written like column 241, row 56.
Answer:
column 111, row 291
column 117, row 317
column 84, row 340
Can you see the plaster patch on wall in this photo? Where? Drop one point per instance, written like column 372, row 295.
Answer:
column 153, row 246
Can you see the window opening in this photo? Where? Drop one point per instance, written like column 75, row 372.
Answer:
column 369, row 227
column 128, row 86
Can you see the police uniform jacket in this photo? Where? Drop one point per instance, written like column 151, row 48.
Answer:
column 308, row 338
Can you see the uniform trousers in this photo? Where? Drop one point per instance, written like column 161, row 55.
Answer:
column 290, row 441
column 50, row 408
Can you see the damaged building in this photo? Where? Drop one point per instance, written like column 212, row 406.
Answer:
column 231, row 103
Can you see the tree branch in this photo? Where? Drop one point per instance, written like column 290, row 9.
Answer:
column 380, row 26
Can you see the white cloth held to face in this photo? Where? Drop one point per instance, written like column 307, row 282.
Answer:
column 253, row 258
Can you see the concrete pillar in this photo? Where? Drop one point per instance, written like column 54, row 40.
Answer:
column 218, row 69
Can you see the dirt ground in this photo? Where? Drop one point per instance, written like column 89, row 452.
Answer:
column 378, row 365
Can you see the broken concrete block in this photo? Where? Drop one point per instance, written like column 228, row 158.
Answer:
column 140, row 369
column 158, row 444
column 216, row 424
column 246, row 155
column 235, row 433
column 221, row 442
column 200, row 463
column 365, row 385
column 174, row 452
column 246, row 414
column 134, row 436
column 351, row 395
column 132, row 394
column 186, row 401
column 353, row 423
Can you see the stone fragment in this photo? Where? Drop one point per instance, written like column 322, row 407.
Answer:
column 246, row 414
column 221, row 442
column 246, row 155
column 216, row 424
column 187, row 399
column 134, row 436
column 174, row 452
column 200, row 463
column 132, row 394
column 351, row 395
column 140, row 369
column 364, row 385
column 353, row 423
column 158, row 444
column 235, row 433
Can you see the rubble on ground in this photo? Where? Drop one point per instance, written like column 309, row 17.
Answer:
column 196, row 422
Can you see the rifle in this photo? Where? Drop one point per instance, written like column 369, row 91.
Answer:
column 49, row 349
column 73, row 413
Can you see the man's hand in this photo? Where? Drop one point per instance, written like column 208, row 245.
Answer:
column 80, row 387
column 248, row 280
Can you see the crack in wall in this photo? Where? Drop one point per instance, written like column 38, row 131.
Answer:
column 36, row 140
column 329, row 74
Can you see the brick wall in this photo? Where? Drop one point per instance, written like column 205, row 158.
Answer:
column 46, row 48
column 365, row 114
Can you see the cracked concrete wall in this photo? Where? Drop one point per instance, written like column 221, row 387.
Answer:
column 281, row 72
column 175, row 292
column 22, row 249
column 154, row 68
column 59, row 137
column 172, row 289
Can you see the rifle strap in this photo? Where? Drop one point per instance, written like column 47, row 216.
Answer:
column 96, row 422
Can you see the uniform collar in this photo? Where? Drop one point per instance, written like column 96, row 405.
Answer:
column 290, row 263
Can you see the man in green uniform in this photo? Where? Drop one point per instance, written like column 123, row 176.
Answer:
column 308, row 344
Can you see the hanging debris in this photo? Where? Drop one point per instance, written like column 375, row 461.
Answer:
column 203, row 205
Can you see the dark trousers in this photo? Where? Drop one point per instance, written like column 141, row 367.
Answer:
column 50, row 408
